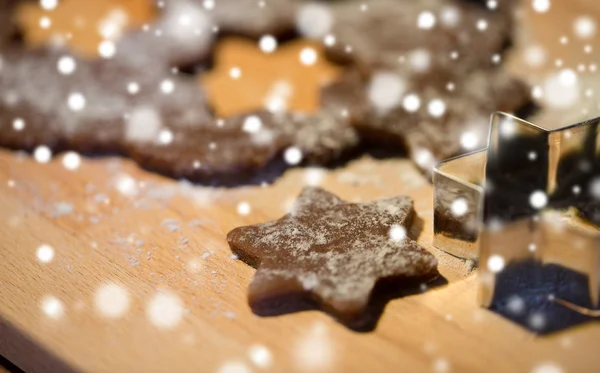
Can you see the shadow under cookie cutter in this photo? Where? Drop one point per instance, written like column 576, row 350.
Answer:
column 526, row 208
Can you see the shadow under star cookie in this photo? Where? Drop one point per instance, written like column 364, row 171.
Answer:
column 331, row 255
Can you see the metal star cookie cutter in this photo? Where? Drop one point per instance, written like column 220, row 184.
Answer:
column 527, row 204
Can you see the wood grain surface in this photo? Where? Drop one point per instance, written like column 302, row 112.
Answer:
column 142, row 279
column 167, row 238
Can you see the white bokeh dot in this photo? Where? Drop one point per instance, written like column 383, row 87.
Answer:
column 385, row 90
column 436, row 108
column 76, row 101
column 562, row 89
column 459, row 207
column 538, row 199
column 535, row 55
column 42, row 154
column 45, row 253
column 532, row 156
column 424, row 158
column 469, row 140
column 426, row 20
column 167, row 86
column 420, row 60
column 45, row 22
column 314, row 176
column 111, row 26
column 133, row 88
column 584, row 27
column 293, row 155
column 482, row 25
column 540, row 6
column 568, row 76
column 235, row 73
column 107, row 49
column 329, row 40
column 515, row 305
column 165, row 136
column 441, row 366
column 314, row 20
column 66, row 65
column 143, row 125
column 18, row 124
column 126, row 185
column 537, row 321
column 495, row 263
column 450, row 16
column 411, row 103
column 564, row 40
column 48, row 4
column 71, row 160
column 52, row 307
column 243, row 208
column 547, row 368
column 165, row 310
column 267, row 44
column 397, row 233
column 252, row 124
column 308, row 56
column 112, row 300
column 260, row 356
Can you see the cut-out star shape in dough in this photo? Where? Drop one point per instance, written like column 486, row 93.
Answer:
column 245, row 78
column 331, row 254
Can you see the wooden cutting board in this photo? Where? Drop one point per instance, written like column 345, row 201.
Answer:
column 142, row 279
column 163, row 246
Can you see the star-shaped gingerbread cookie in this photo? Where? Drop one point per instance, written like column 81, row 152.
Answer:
column 79, row 24
column 246, row 78
column 145, row 34
column 331, row 254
